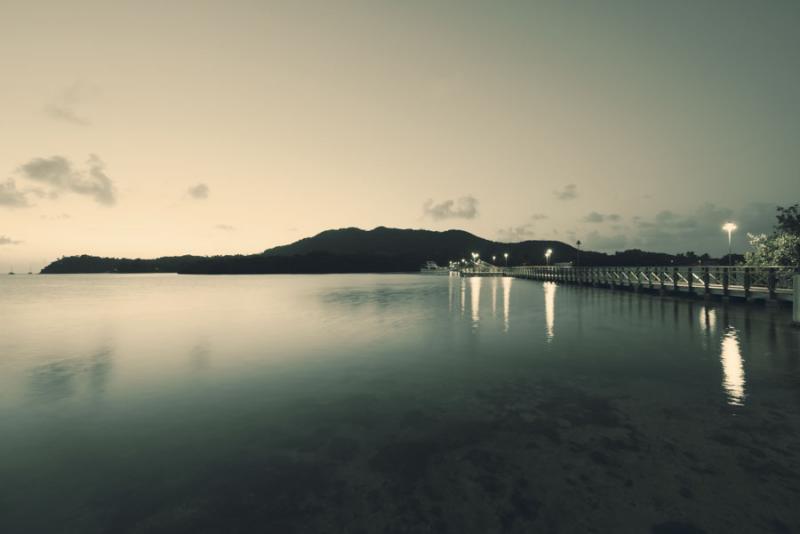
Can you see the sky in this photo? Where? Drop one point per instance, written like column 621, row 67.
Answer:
column 151, row 128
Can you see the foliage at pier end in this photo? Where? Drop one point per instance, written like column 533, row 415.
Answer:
column 353, row 250
column 782, row 247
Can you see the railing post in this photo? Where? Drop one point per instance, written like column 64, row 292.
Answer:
column 690, row 280
column 706, row 283
column 726, row 281
column 746, row 283
column 675, row 279
column 772, row 282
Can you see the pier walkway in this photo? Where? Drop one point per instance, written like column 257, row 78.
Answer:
column 771, row 284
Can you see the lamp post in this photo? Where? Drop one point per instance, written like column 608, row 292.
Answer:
column 505, row 255
column 729, row 227
column 494, row 259
column 578, row 248
column 547, row 255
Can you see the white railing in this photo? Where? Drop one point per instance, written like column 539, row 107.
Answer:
column 772, row 282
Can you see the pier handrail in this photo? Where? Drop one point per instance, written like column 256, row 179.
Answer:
column 773, row 280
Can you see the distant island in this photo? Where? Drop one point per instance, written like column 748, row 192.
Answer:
column 380, row 250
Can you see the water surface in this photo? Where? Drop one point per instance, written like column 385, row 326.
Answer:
column 390, row 403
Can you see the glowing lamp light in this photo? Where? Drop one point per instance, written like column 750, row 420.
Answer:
column 729, row 227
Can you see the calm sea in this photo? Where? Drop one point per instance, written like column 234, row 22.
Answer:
column 390, row 403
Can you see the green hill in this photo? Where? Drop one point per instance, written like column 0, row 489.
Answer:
column 353, row 250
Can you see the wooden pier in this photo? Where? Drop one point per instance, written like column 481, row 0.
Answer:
column 772, row 285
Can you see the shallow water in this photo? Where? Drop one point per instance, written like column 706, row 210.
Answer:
column 390, row 403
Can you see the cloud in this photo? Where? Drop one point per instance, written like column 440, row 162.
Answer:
column 515, row 234
column 60, row 217
column 199, row 191
column 225, row 227
column 605, row 243
column 569, row 192
column 700, row 229
column 12, row 197
column 65, row 114
column 65, row 106
column 538, row 217
column 595, row 217
column 4, row 240
column 463, row 208
column 59, row 174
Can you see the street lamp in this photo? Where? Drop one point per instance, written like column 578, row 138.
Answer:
column 578, row 248
column 494, row 259
column 505, row 255
column 729, row 227
column 547, row 255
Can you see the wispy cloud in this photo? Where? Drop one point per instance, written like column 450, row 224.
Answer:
column 698, row 229
column 65, row 107
column 539, row 217
column 605, row 243
column 12, row 197
column 515, row 234
column 58, row 173
column 225, row 227
column 59, row 217
column 595, row 217
column 462, row 208
column 568, row 192
column 199, row 191
column 5, row 240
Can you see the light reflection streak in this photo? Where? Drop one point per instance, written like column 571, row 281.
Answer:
column 708, row 320
column 494, row 297
column 506, row 301
column 475, row 298
column 732, row 367
column 450, row 294
column 463, row 295
column 549, row 308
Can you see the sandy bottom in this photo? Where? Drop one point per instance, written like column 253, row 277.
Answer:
column 520, row 455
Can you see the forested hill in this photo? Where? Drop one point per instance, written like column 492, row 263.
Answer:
column 95, row 264
column 355, row 250
column 422, row 245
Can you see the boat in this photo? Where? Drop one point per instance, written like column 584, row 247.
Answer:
column 431, row 267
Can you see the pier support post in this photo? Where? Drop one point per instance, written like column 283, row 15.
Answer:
column 746, row 283
column 772, row 282
column 726, row 282
column 675, row 280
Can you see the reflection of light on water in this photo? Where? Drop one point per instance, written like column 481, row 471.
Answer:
column 463, row 295
column 708, row 320
column 494, row 297
column 450, row 294
column 475, row 294
column 550, row 308
column 732, row 368
column 506, row 301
